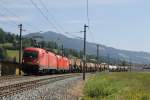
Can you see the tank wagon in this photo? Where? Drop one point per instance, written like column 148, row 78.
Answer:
column 114, row 68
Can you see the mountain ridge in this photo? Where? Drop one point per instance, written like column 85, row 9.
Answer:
column 132, row 56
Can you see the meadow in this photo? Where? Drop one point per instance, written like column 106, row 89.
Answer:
column 118, row 86
column 13, row 54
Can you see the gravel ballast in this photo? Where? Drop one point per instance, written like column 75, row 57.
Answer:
column 60, row 90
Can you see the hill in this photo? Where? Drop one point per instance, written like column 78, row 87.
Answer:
column 136, row 57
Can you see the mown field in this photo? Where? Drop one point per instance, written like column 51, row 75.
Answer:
column 118, row 86
column 13, row 53
column 6, row 45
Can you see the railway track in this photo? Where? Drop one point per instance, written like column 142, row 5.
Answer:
column 13, row 89
column 7, row 78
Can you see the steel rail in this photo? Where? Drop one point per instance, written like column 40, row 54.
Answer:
column 28, row 85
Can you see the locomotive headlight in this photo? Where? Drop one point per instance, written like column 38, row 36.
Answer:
column 37, row 61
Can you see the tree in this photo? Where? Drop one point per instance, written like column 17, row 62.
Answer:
column 123, row 63
column 2, row 36
column 3, row 54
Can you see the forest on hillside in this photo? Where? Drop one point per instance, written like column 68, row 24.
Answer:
column 9, row 49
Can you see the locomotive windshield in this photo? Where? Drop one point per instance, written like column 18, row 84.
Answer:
column 30, row 54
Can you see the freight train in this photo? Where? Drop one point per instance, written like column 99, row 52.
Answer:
column 37, row 60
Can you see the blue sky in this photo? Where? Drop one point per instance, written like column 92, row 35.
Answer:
column 123, row 24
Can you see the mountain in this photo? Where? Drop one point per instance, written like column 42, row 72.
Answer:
column 135, row 57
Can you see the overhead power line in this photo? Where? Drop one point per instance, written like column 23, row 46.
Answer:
column 13, row 22
column 55, row 25
column 87, row 12
column 44, row 6
column 59, row 26
column 88, row 21
column 52, row 17
column 44, row 16
column 91, row 34
column 74, row 36
column 10, row 12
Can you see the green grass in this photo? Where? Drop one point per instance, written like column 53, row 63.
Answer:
column 118, row 86
column 13, row 53
column 5, row 45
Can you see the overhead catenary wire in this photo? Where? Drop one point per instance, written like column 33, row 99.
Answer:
column 59, row 26
column 91, row 35
column 52, row 16
column 9, row 19
column 13, row 22
column 87, row 13
column 44, row 16
column 11, row 13
column 74, row 36
column 88, row 22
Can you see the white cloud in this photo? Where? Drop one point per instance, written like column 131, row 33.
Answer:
column 63, row 3
column 12, row 18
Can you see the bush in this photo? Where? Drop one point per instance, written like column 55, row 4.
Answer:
column 3, row 54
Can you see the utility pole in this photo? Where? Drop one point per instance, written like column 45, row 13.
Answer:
column 20, row 44
column 62, row 50
column 56, row 45
column 130, row 64
column 108, row 59
column 84, row 54
column 97, row 55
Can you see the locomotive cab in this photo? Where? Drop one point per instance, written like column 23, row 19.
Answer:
column 30, row 61
column 30, row 57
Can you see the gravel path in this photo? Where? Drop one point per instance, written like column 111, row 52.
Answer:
column 60, row 90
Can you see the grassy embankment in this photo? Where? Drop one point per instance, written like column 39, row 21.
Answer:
column 11, row 53
column 6, row 45
column 118, row 86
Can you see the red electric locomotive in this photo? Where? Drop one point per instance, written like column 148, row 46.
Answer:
column 37, row 60
column 66, row 64
column 59, row 63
